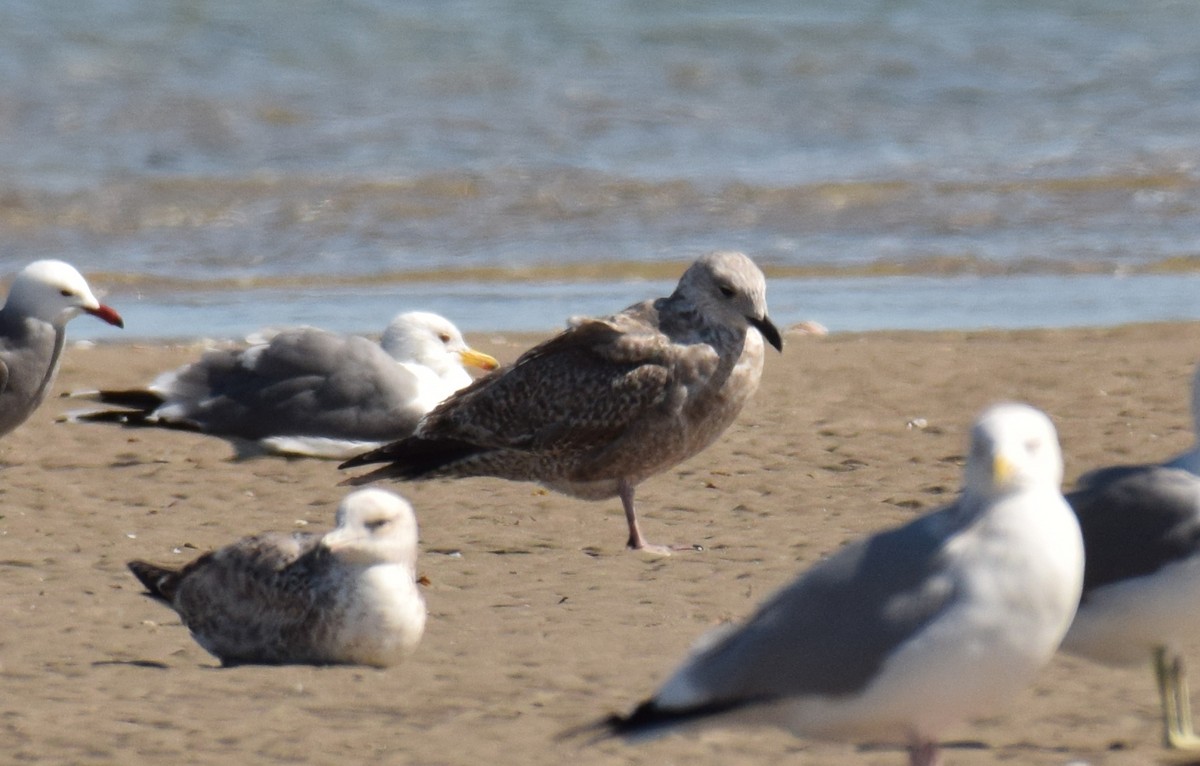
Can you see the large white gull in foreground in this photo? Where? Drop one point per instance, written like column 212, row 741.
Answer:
column 1141, row 589
column 349, row 596
column 902, row 635
column 309, row 392
column 44, row 296
column 609, row 402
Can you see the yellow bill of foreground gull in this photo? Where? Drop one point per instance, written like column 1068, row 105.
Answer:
column 348, row 596
column 902, row 635
column 308, row 392
column 44, row 296
column 1141, row 586
column 609, row 402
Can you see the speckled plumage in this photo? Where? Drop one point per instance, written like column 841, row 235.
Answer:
column 610, row 401
column 348, row 596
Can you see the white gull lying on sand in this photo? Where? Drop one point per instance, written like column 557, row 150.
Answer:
column 307, row 391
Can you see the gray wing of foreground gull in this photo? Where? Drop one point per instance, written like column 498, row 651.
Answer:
column 830, row 632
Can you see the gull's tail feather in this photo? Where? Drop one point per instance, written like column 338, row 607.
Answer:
column 161, row 583
column 647, row 721
column 412, row 458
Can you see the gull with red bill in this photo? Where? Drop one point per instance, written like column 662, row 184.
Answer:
column 44, row 296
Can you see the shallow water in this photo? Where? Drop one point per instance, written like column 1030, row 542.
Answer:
column 273, row 161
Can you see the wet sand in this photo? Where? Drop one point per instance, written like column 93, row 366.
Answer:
column 539, row 620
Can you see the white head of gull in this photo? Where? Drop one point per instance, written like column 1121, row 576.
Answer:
column 430, row 343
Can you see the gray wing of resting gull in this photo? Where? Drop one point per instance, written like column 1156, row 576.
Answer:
column 44, row 296
column 307, row 391
column 1141, row 531
column 899, row 636
column 610, row 401
column 348, row 596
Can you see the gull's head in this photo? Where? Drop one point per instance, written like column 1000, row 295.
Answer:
column 1013, row 447
column 728, row 288
column 374, row 526
column 433, row 341
column 54, row 292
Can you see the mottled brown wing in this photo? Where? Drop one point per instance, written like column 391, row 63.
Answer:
column 588, row 384
column 241, row 600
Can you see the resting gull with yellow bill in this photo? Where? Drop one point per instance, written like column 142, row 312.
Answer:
column 308, row 392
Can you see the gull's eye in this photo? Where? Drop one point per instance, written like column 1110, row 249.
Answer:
column 65, row 293
column 444, row 337
column 727, row 291
column 375, row 525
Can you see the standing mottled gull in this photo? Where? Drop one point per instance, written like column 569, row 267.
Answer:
column 44, row 296
column 609, row 402
column 898, row 637
column 307, row 391
column 1141, row 588
column 348, row 596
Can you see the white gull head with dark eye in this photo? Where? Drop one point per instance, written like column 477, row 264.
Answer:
column 432, row 341
column 374, row 526
column 1014, row 447
column 52, row 291
column 729, row 290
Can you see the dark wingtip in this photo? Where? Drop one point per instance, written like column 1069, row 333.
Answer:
column 356, row 461
column 769, row 331
column 384, row 454
column 646, row 721
column 158, row 581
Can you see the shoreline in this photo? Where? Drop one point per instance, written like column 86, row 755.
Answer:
column 539, row 621
column 1016, row 301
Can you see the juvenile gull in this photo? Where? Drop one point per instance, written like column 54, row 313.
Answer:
column 348, row 596
column 307, row 391
column 901, row 635
column 610, row 401
column 1141, row 531
column 44, row 296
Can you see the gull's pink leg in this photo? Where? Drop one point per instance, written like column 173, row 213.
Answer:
column 636, row 541
column 924, row 754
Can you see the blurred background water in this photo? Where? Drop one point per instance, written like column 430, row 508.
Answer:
column 218, row 165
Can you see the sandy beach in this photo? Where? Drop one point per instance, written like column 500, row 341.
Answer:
column 539, row 620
